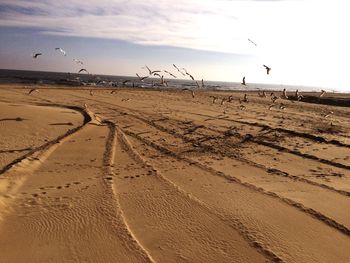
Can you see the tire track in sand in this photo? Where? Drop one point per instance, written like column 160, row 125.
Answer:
column 64, row 211
column 291, row 234
column 175, row 226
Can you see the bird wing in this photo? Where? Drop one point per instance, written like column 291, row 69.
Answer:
column 150, row 72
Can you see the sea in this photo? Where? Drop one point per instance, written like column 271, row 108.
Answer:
column 75, row 79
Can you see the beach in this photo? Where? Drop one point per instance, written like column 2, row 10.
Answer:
column 159, row 175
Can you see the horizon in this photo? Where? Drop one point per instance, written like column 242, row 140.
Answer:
column 297, row 39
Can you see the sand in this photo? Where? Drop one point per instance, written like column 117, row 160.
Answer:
column 159, row 176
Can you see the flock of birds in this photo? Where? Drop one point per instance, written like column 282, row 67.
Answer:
column 184, row 72
column 151, row 73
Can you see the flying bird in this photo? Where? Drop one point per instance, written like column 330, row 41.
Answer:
column 141, row 78
column 35, row 55
column 242, row 107
column 251, row 41
column 214, row 98
column 267, row 69
column 170, row 73
column 322, row 93
column 243, row 82
column 163, row 82
column 245, row 99
column 83, row 70
column 188, row 74
column 285, row 96
column 152, row 72
column 262, row 95
column 274, row 98
column 298, row 95
column 328, row 114
column 61, row 50
column 190, row 90
column 33, row 90
column 179, row 70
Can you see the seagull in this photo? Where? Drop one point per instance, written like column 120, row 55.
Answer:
column 141, row 78
column 83, row 70
column 176, row 67
column 77, row 61
column 61, row 50
column 251, row 41
column 243, row 82
column 33, row 90
column 156, row 74
column 282, row 106
column 242, row 107
column 267, row 69
column 298, row 96
column 179, row 70
column 152, row 72
column 329, row 114
column 274, row 98
column 190, row 90
column 36, row 55
column 271, row 106
column 214, row 99
column 223, row 101
column 163, row 82
column 190, row 75
column 262, row 95
column 285, row 94
column 170, row 73
column 245, row 99
column 113, row 91
column 91, row 92
column 203, row 86
column 322, row 93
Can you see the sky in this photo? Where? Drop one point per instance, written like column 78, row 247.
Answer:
column 305, row 42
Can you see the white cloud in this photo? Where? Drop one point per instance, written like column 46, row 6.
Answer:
column 296, row 37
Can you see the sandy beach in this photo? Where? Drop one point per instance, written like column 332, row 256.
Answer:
column 145, row 175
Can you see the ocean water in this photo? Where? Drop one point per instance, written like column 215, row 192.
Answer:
column 74, row 79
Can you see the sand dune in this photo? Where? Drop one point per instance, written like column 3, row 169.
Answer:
column 159, row 176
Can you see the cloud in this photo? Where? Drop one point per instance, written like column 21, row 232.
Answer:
column 283, row 29
column 189, row 24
